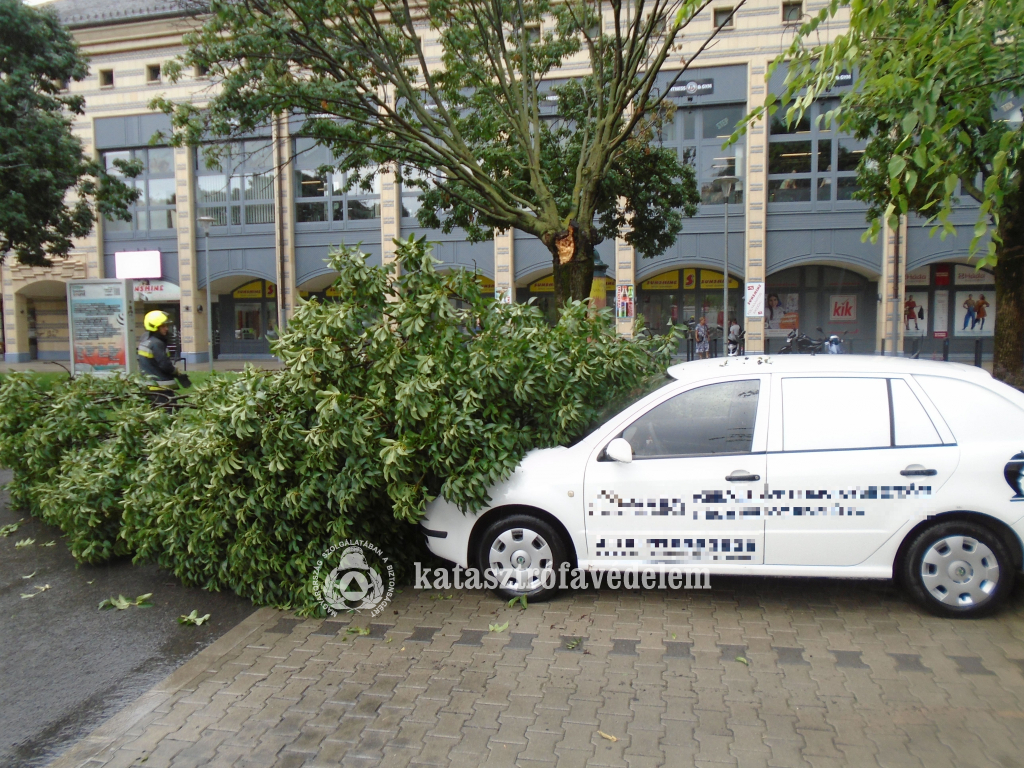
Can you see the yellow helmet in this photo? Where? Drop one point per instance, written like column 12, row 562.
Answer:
column 154, row 320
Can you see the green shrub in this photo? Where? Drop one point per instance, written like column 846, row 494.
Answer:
column 389, row 397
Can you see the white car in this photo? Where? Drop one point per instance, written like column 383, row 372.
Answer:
column 844, row 466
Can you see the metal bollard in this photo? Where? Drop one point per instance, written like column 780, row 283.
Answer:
column 882, row 352
column 945, row 350
column 977, row 353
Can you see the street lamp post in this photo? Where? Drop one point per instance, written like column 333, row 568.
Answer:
column 205, row 222
column 728, row 183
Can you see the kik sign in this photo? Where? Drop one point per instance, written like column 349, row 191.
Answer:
column 843, row 309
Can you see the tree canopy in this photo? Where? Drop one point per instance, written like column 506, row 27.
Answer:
column 540, row 116
column 49, row 189
column 937, row 96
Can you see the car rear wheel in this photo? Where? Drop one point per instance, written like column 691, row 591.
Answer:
column 958, row 569
column 525, row 553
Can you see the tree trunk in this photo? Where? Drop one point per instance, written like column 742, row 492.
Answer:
column 1008, row 357
column 572, row 255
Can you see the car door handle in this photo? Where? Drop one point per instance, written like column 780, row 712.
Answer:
column 916, row 470
column 741, row 476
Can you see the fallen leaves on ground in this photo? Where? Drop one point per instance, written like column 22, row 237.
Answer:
column 193, row 619
column 24, row 543
column 498, row 627
column 122, row 603
column 39, row 591
column 608, row 736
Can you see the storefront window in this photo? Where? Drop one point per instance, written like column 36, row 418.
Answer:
column 155, row 208
column 323, row 197
column 239, row 190
column 713, row 125
column 247, row 321
column 805, row 162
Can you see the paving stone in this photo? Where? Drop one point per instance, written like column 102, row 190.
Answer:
column 284, row 626
column 520, row 641
column 849, row 659
column 908, row 662
column 421, row 635
column 378, row 631
column 571, row 643
column 971, row 665
column 730, row 652
column 329, row 628
column 790, row 656
column 678, row 649
column 472, row 637
column 624, row 647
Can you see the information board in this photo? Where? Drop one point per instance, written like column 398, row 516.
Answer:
column 102, row 326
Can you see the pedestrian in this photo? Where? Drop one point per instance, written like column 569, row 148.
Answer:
column 701, row 336
column 734, row 337
column 154, row 364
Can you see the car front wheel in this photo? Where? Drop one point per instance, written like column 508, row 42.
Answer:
column 958, row 569
column 525, row 555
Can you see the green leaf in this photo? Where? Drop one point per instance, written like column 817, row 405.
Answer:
column 498, row 627
column 896, row 165
column 24, row 543
column 194, row 619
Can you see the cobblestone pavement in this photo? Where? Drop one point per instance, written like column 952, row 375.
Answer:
column 751, row 673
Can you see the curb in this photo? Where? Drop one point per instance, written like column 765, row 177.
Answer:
column 117, row 726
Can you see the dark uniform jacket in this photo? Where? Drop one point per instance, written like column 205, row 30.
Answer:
column 153, row 360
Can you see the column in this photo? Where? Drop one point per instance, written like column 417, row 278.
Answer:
column 505, row 266
column 894, row 270
column 754, row 199
column 195, row 347
column 285, row 244
column 390, row 221
column 16, row 349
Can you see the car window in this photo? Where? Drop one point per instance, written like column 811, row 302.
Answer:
column 972, row 410
column 820, row 414
column 717, row 418
column 621, row 403
column 911, row 424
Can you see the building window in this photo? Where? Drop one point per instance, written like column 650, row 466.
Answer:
column 323, row 197
column 239, row 191
column 152, row 73
column 156, row 207
column 106, row 78
column 697, row 133
column 792, row 13
column 724, row 17
column 201, row 70
column 807, row 163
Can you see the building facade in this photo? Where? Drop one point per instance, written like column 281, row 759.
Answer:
column 793, row 226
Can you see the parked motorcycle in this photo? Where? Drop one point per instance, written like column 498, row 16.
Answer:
column 801, row 344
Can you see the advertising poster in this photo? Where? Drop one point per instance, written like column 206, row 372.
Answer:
column 781, row 314
column 842, row 309
column 974, row 313
column 625, row 305
column 102, row 324
column 915, row 314
column 755, row 299
column 940, row 320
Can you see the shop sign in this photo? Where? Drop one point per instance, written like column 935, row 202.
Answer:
column 781, row 313
column 156, row 290
column 755, row 299
column 486, row 284
column 942, row 276
column 332, row 293
column 917, row 277
column 968, row 275
column 253, row 290
column 843, row 309
column 705, row 87
column 137, row 265
column 689, row 279
column 271, row 291
column 101, row 326
column 544, row 285
column 666, row 281
column 711, row 280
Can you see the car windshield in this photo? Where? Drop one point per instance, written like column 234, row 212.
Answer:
column 621, row 403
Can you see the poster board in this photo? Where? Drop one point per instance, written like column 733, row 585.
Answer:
column 101, row 326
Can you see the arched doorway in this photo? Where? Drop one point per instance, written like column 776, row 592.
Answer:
column 245, row 317
column 41, row 322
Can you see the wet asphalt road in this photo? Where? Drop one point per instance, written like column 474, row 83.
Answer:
column 65, row 666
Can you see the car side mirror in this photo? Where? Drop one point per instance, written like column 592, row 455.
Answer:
column 620, row 450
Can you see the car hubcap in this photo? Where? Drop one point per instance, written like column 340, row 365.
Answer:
column 959, row 570
column 521, row 557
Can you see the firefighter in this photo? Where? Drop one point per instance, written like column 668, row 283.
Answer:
column 154, row 364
